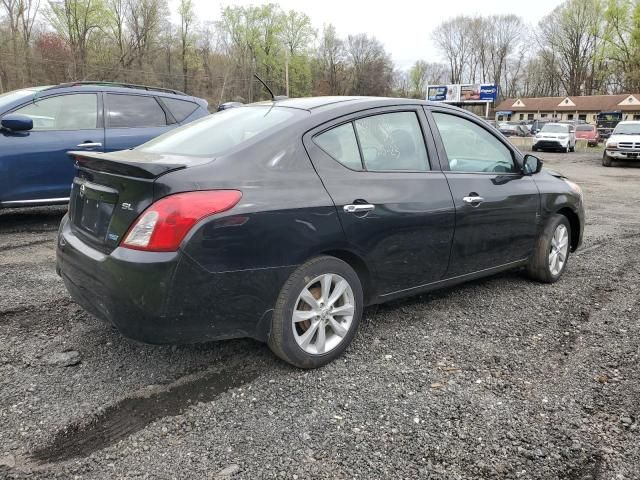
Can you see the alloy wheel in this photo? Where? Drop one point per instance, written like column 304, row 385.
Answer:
column 559, row 249
column 323, row 314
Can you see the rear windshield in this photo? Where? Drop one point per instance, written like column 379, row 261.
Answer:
column 585, row 128
column 551, row 128
column 219, row 132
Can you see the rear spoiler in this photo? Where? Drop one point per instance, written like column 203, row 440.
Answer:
column 116, row 164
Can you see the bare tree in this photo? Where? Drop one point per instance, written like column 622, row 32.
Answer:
column 453, row 40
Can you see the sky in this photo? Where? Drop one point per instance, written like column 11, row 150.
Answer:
column 403, row 26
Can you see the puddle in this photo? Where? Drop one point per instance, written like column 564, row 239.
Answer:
column 132, row 414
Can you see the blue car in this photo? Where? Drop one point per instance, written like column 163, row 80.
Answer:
column 41, row 124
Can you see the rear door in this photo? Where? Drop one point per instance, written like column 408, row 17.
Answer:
column 132, row 120
column 496, row 205
column 393, row 202
column 34, row 166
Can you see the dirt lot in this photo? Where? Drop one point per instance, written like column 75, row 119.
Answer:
column 500, row 378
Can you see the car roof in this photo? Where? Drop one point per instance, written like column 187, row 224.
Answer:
column 316, row 104
column 629, row 122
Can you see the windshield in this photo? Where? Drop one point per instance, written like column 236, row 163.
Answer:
column 8, row 98
column 585, row 128
column 627, row 129
column 220, row 131
column 551, row 128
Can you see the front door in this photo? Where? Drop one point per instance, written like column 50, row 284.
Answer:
column 395, row 209
column 34, row 165
column 496, row 205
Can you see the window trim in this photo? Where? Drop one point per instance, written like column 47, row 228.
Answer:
column 99, row 111
column 167, row 115
column 353, row 117
column 516, row 157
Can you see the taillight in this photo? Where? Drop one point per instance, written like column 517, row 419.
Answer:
column 163, row 226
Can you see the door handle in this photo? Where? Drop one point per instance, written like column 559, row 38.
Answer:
column 367, row 207
column 473, row 200
column 89, row 145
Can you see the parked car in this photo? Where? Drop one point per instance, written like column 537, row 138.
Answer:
column 282, row 220
column 588, row 133
column 513, row 129
column 227, row 105
column 555, row 136
column 41, row 124
column 623, row 144
column 536, row 125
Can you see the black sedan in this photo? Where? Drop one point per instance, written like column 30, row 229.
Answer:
column 282, row 220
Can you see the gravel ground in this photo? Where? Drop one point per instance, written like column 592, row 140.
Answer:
column 499, row 378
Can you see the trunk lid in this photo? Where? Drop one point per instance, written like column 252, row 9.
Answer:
column 110, row 190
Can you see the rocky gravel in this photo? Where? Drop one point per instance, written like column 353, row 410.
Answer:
column 498, row 378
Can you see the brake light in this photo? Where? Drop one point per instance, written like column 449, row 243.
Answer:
column 163, row 226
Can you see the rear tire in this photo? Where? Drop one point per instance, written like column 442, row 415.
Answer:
column 317, row 313
column 606, row 160
column 551, row 254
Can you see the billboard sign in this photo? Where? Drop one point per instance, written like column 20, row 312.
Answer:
column 443, row 93
column 466, row 93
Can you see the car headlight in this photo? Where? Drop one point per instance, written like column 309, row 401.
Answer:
column 612, row 145
column 575, row 188
column 563, row 137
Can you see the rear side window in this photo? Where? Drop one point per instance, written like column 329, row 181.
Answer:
column 134, row 111
column 392, row 141
column 180, row 109
column 341, row 144
column 63, row 112
column 220, row 131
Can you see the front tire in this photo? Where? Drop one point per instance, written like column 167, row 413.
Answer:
column 317, row 313
column 551, row 255
column 606, row 160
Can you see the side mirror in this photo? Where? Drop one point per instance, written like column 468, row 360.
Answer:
column 16, row 123
column 531, row 165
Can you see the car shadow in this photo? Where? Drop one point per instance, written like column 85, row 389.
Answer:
column 36, row 219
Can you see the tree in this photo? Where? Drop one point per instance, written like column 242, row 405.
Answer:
column 331, row 62
column 454, row 42
column 571, row 32
column 371, row 67
column 422, row 74
column 187, row 15
column 77, row 21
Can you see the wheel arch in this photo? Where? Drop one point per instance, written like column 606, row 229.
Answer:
column 362, row 270
column 574, row 223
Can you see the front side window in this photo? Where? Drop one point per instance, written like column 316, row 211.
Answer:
column 134, row 111
column 63, row 112
column 392, row 141
column 341, row 144
column 471, row 148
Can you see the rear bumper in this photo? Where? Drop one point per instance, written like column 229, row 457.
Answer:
column 624, row 154
column 167, row 297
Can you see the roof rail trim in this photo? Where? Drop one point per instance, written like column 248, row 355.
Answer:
column 115, row 84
